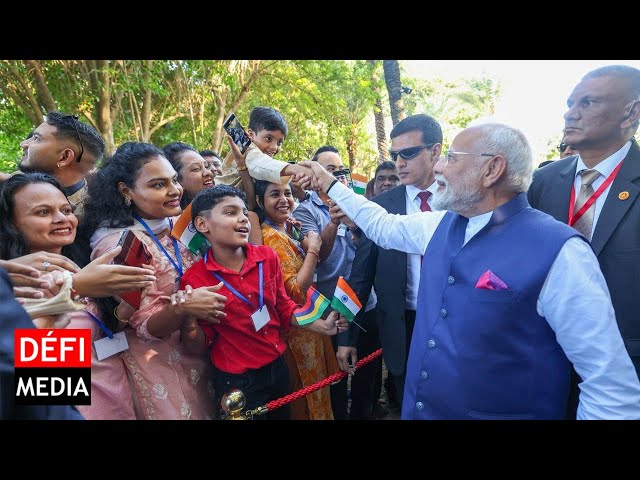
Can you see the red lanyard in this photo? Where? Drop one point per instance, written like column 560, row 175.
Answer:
column 574, row 218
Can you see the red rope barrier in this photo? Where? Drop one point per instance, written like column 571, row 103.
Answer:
column 334, row 378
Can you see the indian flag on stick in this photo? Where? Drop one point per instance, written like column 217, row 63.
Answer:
column 313, row 308
column 359, row 183
column 345, row 300
column 186, row 233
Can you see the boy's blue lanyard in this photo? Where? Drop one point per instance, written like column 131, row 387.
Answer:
column 176, row 248
column 295, row 242
column 100, row 323
column 233, row 290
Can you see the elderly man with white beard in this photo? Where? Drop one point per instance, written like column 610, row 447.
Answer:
column 509, row 298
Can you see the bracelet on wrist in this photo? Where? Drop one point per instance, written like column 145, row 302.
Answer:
column 242, row 169
column 314, row 253
column 332, row 184
column 75, row 296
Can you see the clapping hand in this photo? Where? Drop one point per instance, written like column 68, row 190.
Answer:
column 26, row 279
column 203, row 303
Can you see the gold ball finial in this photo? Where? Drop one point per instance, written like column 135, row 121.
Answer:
column 232, row 403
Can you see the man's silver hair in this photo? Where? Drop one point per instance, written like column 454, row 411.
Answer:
column 497, row 138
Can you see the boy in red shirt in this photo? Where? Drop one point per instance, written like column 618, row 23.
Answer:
column 247, row 340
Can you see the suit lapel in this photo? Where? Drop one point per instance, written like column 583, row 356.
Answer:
column 614, row 208
column 401, row 200
column 558, row 206
column 398, row 204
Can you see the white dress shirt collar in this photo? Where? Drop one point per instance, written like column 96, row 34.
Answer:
column 608, row 165
column 413, row 191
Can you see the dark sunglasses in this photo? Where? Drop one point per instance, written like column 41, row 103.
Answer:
column 74, row 119
column 341, row 173
column 409, row 153
column 562, row 147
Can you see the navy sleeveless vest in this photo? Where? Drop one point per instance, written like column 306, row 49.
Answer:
column 487, row 354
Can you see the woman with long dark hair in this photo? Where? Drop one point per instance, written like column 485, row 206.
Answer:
column 37, row 217
column 139, row 190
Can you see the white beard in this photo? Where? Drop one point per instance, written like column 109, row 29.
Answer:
column 459, row 202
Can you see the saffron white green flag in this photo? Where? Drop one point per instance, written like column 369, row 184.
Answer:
column 345, row 300
column 359, row 183
column 186, row 233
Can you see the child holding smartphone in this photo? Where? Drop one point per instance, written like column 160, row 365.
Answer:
column 267, row 131
column 247, row 342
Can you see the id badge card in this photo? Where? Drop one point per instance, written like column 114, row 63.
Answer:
column 107, row 347
column 342, row 230
column 260, row 318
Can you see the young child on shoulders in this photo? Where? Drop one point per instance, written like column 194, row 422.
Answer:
column 267, row 131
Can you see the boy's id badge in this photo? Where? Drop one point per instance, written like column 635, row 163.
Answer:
column 106, row 347
column 342, row 230
column 260, row 318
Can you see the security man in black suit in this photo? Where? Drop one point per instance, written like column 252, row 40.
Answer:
column 603, row 116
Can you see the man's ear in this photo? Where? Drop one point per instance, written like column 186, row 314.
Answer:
column 200, row 224
column 495, row 170
column 437, row 150
column 67, row 157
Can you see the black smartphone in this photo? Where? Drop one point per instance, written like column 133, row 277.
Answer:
column 237, row 133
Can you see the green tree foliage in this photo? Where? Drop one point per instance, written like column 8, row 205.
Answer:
column 14, row 127
column 161, row 101
column 454, row 103
column 551, row 152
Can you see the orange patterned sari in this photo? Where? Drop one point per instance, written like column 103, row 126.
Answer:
column 310, row 355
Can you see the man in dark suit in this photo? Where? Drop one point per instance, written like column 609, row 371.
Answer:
column 416, row 143
column 603, row 116
column 13, row 316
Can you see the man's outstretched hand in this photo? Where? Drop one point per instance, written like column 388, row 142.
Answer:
column 300, row 175
column 320, row 179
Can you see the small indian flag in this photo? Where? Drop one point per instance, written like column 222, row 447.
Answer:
column 345, row 300
column 313, row 308
column 359, row 183
column 186, row 233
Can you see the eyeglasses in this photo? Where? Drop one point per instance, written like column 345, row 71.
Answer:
column 75, row 126
column 562, row 147
column 409, row 153
column 450, row 153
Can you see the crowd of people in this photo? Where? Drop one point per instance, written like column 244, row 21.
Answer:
column 495, row 292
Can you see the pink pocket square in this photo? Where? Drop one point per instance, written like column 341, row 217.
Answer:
column 490, row 281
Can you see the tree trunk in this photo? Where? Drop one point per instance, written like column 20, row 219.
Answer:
column 352, row 149
column 394, row 88
column 22, row 89
column 146, row 102
column 100, row 81
column 378, row 114
column 381, row 134
column 42, row 89
column 221, row 103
